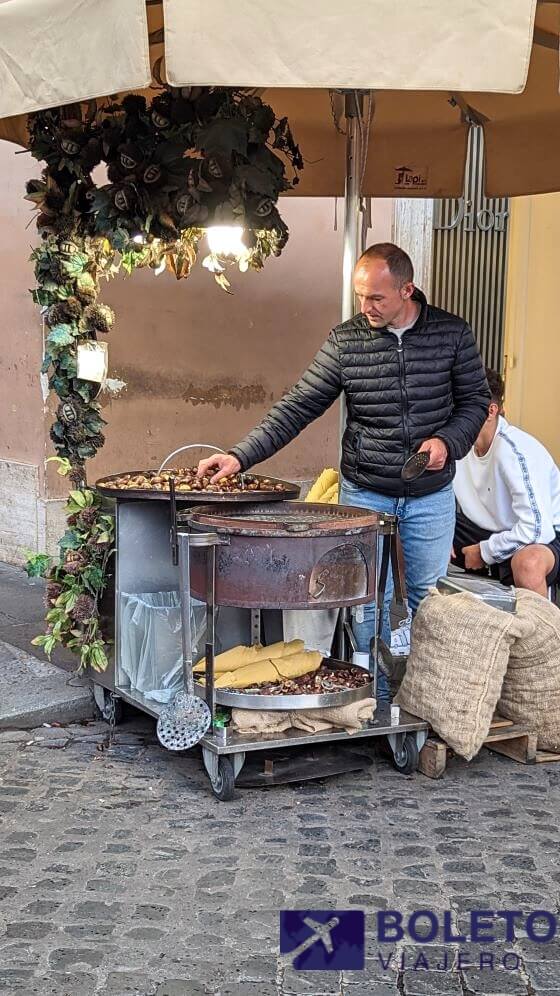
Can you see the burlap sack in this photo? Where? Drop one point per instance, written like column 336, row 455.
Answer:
column 459, row 655
column 349, row 717
column 267, row 722
column 262, row 721
column 531, row 690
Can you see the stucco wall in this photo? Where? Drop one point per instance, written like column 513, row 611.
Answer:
column 204, row 366
column 532, row 345
column 21, row 406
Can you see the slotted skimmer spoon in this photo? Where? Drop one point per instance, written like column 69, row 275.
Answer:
column 415, row 466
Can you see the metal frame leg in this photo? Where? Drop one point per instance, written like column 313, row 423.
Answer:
column 210, row 629
column 381, row 574
column 255, row 627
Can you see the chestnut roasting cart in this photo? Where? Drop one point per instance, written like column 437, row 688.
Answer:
column 243, row 558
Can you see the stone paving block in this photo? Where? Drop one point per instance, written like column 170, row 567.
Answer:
column 123, row 983
column 181, row 987
column 492, row 983
column 14, row 979
column 377, row 989
column 61, row 984
column 68, row 958
column 431, row 984
column 247, row 989
column 544, row 975
column 311, row 983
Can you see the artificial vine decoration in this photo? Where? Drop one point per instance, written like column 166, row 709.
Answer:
column 76, row 584
column 193, row 157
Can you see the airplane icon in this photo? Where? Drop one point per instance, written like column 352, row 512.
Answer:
column 320, row 932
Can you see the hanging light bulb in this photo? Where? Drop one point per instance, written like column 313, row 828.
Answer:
column 226, row 240
column 139, row 239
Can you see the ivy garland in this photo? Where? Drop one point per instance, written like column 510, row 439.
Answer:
column 191, row 158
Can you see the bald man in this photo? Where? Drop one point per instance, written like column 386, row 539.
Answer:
column 413, row 380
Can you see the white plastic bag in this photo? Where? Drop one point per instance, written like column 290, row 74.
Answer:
column 150, row 641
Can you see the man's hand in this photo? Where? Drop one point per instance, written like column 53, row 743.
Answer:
column 473, row 559
column 224, row 464
column 438, row 453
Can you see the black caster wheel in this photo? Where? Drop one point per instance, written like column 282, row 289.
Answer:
column 406, row 761
column 223, row 786
column 110, row 702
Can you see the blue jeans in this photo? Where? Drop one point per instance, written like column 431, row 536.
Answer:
column 426, row 528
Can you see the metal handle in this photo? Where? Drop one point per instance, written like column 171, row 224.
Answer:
column 173, row 531
column 190, row 446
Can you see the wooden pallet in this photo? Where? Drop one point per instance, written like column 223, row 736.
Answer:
column 505, row 737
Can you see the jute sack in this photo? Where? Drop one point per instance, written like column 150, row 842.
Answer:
column 459, row 655
column 531, row 689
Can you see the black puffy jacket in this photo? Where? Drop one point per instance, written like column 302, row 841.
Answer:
column 432, row 384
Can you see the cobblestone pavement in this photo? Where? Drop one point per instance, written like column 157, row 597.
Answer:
column 120, row 873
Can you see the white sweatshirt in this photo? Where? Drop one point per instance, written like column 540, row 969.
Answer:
column 513, row 491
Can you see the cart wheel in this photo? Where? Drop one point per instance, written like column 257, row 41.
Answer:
column 407, row 761
column 105, row 712
column 223, row 786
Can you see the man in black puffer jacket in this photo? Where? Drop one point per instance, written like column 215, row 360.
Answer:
column 413, row 380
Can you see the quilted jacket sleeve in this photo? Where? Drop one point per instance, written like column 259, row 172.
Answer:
column 471, row 398
column 316, row 391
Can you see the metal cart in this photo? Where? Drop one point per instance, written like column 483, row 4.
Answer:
column 144, row 558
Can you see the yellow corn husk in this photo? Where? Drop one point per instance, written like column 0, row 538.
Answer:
column 270, row 670
column 237, row 657
column 325, row 480
column 251, row 674
column 331, row 493
column 296, row 664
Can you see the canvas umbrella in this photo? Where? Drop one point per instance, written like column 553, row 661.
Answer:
column 380, row 101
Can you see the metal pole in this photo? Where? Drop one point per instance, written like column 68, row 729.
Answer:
column 353, row 107
column 353, row 110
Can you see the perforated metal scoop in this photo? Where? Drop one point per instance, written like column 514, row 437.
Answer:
column 415, row 466
column 183, row 722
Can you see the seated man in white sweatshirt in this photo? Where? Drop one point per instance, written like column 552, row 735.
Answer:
column 508, row 495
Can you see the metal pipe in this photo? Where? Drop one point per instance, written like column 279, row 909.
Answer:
column 353, row 111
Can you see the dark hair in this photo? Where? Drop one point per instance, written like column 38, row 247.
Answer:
column 398, row 261
column 497, row 386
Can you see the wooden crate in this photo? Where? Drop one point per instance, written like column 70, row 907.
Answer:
column 505, row 737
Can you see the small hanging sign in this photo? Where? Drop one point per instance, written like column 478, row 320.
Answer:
column 93, row 361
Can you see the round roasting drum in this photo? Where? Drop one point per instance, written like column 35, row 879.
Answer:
column 289, row 555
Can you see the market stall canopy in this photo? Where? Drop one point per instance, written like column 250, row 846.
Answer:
column 432, row 71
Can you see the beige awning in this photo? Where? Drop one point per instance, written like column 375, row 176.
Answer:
column 417, row 137
column 375, row 44
column 61, row 51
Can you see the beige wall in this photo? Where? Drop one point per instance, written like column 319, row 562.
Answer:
column 21, row 406
column 204, row 366
column 532, row 345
